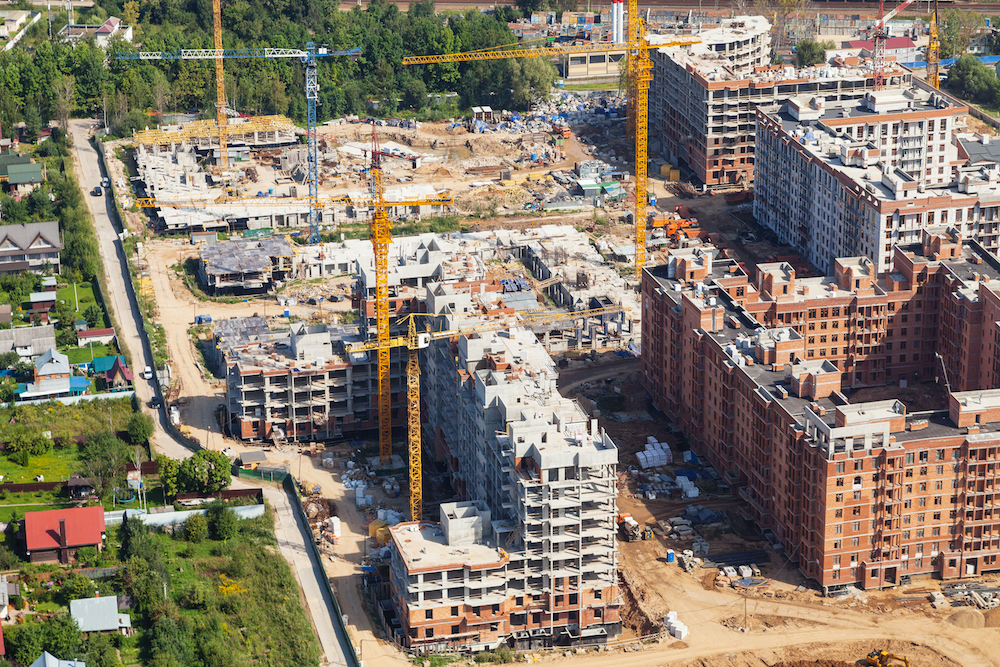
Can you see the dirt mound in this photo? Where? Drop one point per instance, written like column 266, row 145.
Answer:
column 815, row 663
column 992, row 618
column 968, row 618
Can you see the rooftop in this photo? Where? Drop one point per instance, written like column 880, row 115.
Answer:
column 244, row 255
column 423, row 547
column 84, row 527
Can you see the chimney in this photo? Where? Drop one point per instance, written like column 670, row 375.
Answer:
column 62, row 533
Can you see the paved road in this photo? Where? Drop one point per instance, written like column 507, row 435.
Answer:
column 292, row 536
column 289, row 530
column 120, row 292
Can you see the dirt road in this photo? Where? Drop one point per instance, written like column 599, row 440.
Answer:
column 667, row 587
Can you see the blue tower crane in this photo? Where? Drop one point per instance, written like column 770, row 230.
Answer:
column 308, row 58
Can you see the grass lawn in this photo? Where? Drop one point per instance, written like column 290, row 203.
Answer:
column 56, row 465
column 68, row 421
column 82, row 355
column 84, row 294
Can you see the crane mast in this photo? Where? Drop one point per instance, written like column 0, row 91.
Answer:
column 879, row 35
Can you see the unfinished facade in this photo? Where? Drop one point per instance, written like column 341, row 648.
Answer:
column 244, row 266
column 703, row 96
column 856, row 178
column 540, row 476
column 303, row 386
column 756, row 374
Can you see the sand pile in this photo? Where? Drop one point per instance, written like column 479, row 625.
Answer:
column 992, row 618
column 968, row 618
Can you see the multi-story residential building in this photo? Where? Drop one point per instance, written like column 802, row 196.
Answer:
column 531, row 556
column 855, row 178
column 759, row 374
column 301, row 385
column 30, row 246
column 703, row 96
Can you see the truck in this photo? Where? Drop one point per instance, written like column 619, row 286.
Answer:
column 629, row 528
column 202, row 319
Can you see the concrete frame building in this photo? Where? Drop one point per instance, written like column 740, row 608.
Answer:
column 857, row 493
column 531, row 559
column 303, row 386
column 245, row 265
column 855, row 178
column 703, row 97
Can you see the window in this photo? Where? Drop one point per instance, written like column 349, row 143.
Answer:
column 454, row 611
column 429, row 614
column 856, row 526
column 839, row 498
column 836, row 544
column 429, row 632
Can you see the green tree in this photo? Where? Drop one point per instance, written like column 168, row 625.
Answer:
column 32, row 122
column 59, row 635
column 972, row 80
column 101, row 651
column 809, row 53
column 140, row 428
column 168, row 475
column 77, row 587
column 222, row 521
column 94, row 316
column 207, row 471
column 956, row 29
column 196, row 528
column 105, row 457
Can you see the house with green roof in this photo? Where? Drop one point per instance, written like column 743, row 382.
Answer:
column 20, row 173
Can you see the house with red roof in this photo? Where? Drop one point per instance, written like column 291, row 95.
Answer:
column 900, row 49
column 97, row 336
column 102, row 34
column 119, row 377
column 56, row 535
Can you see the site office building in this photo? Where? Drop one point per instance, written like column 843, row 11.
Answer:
column 857, row 493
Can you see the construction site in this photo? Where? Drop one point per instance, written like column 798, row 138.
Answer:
column 437, row 327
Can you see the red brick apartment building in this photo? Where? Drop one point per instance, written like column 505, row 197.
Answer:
column 755, row 373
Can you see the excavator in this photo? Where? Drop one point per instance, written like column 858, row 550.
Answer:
column 882, row 658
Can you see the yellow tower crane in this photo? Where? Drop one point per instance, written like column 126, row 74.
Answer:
column 639, row 69
column 415, row 341
column 934, row 50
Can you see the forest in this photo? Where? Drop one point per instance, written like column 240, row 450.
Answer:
column 53, row 79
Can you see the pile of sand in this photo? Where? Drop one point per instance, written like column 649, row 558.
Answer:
column 968, row 618
column 817, row 663
column 992, row 618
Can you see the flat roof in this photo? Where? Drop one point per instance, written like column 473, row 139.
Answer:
column 423, row 548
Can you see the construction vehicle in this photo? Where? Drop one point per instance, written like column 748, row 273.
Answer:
column 647, row 533
column 639, row 68
column 629, row 528
column 882, row 658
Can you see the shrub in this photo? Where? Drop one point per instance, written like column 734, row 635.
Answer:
column 196, row 528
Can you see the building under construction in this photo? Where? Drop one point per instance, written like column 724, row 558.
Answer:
column 245, row 265
column 530, row 558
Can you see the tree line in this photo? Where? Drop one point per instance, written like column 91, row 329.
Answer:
column 53, row 79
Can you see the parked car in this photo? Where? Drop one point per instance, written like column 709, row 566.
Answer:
column 97, row 192
column 156, row 402
column 147, row 373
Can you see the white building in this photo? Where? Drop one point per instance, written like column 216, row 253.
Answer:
column 535, row 561
column 102, row 34
column 854, row 179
